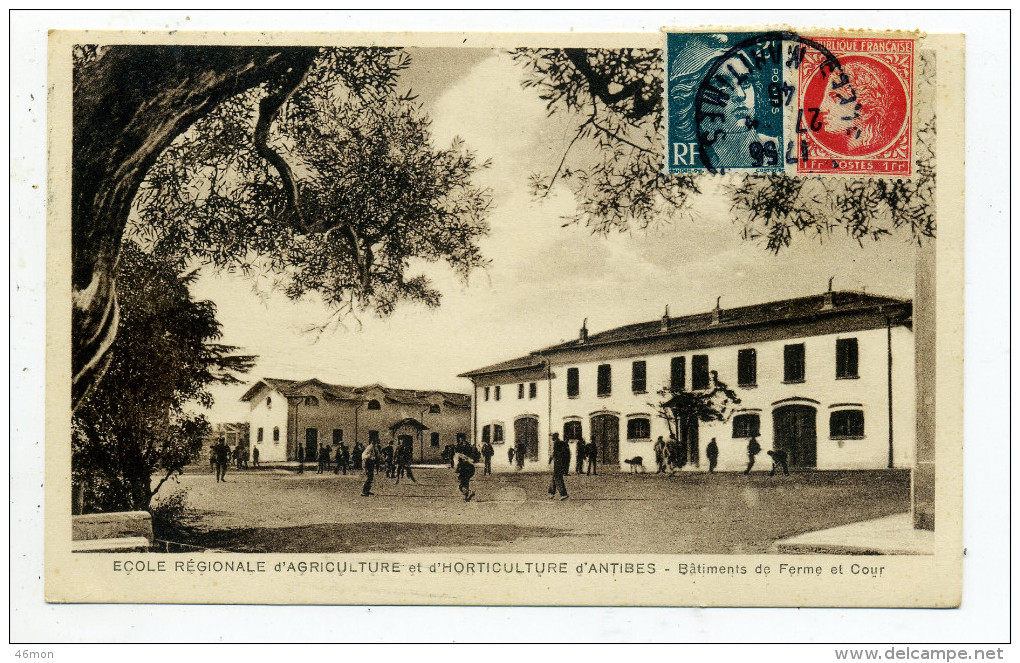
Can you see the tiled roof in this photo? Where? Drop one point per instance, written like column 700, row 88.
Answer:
column 272, row 383
column 348, row 392
column 529, row 361
column 785, row 310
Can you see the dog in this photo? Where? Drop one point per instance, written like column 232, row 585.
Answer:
column 635, row 463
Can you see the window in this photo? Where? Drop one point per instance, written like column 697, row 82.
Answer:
column 259, row 438
column 461, row 438
column 434, row 440
column 532, row 390
column 497, row 433
column 269, row 402
column 373, row 436
column 486, row 434
column 276, row 433
column 746, row 425
column 520, row 391
column 793, row 363
column 677, row 373
column 573, row 382
column 434, row 409
column 486, row 393
column 572, row 430
column 497, row 393
column 639, row 428
column 637, row 377
column 605, row 380
column 699, row 372
column 312, row 401
column 338, row 436
column 374, row 405
column 846, row 425
column 747, row 367
column 846, row 358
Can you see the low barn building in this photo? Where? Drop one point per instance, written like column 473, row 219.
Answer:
column 286, row 414
column 828, row 379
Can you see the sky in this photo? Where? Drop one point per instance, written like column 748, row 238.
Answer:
column 544, row 278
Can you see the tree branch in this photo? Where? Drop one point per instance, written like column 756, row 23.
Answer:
column 556, row 173
column 268, row 108
column 613, row 134
column 598, row 85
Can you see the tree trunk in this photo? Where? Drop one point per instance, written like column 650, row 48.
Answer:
column 129, row 105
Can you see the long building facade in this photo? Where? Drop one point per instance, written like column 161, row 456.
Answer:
column 826, row 379
column 288, row 415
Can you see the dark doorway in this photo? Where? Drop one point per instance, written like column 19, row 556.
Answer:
column 408, row 441
column 311, row 443
column 526, row 435
column 605, row 431
column 794, row 427
column 690, row 436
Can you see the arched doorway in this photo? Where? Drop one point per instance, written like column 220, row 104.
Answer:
column 794, row 429
column 526, row 436
column 605, row 432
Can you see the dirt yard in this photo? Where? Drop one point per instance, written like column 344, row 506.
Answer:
column 281, row 511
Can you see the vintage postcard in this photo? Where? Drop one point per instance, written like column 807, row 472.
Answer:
column 660, row 319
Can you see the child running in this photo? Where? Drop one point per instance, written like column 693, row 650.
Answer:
column 464, row 466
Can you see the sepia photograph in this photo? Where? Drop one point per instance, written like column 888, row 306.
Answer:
column 653, row 311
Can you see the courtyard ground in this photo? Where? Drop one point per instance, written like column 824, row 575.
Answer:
column 282, row 511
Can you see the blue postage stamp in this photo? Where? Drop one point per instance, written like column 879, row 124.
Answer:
column 726, row 97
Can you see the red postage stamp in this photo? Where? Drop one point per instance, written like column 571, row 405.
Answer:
column 857, row 117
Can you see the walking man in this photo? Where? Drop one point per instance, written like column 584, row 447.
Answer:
column 356, row 453
column 660, row 455
column 560, row 461
column 387, row 453
column 753, row 449
column 591, row 450
column 369, row 458
column 671, row 455
column 778, row 460
column 581, row 451
column 255, row 457
column 342, row 458
column 464, row 466
column 405, row 454
column 519, row 455
column 300, row 459
column 222, row 459
column 712, row 451
column 487, row 452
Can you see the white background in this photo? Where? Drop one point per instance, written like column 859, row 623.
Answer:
column 984, row 616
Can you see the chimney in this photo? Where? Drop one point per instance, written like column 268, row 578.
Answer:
column 827, row 298
column 664, row 327
column 584, row 332
column 716, row 311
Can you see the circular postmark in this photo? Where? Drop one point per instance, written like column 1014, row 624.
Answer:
column 864, row 117
column 740, row 102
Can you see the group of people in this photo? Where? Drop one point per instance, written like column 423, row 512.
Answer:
column 671, row 456
column 221, row 456
column 394, row 459
column 778, row 457
column 586, row 457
